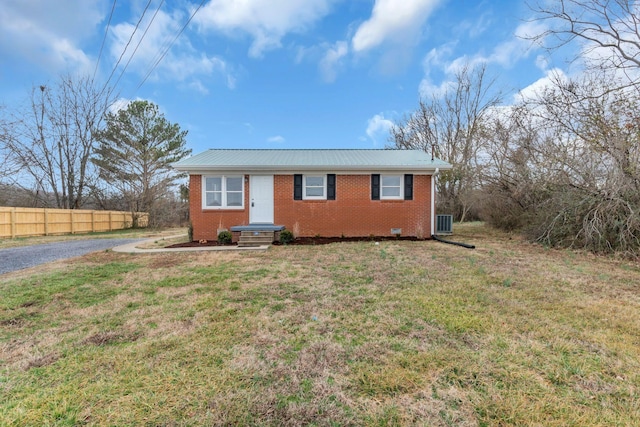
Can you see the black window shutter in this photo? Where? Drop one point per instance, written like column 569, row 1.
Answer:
column 375, row 187
column 331, row 186
column 408, row 187
column 297, row 187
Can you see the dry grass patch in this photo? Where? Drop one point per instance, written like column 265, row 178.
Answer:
column 164, row 241
column 400, row 333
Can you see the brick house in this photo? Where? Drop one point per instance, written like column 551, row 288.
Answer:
column 325, row 193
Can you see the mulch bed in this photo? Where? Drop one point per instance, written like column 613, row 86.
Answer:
column 304, row 241
column 197, row 244
column 327, row 240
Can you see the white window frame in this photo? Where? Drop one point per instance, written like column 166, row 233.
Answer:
column 224, row 192
column 324, row 187
column 400, row 196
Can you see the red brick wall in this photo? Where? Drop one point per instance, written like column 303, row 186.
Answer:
column 353, row 213
column 207, row 221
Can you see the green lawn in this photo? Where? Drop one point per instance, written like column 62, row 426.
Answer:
column 399, row 333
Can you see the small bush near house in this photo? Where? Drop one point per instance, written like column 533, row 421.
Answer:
column 190, row 231
column 224, row 238
column 286, row 236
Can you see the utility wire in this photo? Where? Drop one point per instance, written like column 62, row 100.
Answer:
column 139, row 42
column 106, row 31
column 169, row 46
column 126, row 47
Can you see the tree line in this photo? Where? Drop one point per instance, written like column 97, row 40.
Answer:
column 561, row 166
column 68, row 147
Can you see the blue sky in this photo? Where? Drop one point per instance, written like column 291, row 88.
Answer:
column 273, row 73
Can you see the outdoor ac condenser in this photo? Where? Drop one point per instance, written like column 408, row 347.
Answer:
column 444, row 224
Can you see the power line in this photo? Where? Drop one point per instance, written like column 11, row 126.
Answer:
column 106, row 31
column 170, row 45
column 139, row 43
column 127, row 46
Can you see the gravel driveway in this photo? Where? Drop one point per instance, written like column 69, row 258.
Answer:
column 12, row 259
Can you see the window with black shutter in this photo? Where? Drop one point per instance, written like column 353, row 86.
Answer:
column 331, row 186
column 297, row 187
column 375, row 187
column 408, row 187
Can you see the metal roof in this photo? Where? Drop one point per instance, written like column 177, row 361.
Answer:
column 310, row 159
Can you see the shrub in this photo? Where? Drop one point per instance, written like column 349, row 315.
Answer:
column 190, row 231
column 286, row 237
column 225, row 237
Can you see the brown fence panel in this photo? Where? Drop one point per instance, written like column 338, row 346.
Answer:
column 59, row 221
column 5, row 222
column 25, row 222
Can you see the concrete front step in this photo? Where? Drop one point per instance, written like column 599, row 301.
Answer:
column 261, row 240
column 255, row 238
column 256, row 234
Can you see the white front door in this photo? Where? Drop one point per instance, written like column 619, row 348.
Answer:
column 261, row 199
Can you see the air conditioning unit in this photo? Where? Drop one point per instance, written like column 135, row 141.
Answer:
column 444, row 224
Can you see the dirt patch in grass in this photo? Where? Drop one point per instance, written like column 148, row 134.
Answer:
column 39, row 362
column 166, row 260
column 15, row 322
column 111, row 337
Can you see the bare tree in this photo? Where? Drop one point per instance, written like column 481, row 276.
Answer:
column 565, row 167
column 599, row 206
column 451, row 127
column 609, row 31
column 52, row 139
column 7, row 168
column 512, row 172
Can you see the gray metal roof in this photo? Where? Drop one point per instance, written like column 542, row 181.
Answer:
column 321, row 159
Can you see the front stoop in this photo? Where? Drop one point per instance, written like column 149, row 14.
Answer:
column 256, row 238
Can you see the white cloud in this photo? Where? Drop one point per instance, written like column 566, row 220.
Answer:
column 119, row 104
column 378, row 128
column 198, row 86
column 123, row 104
column 332, row 60
column 46, row 34
column 542, row 62
column 428, row 89
column 520, row 46
column 476, row 26
column 480, row 26
column 266, row 21
column 436, row 58
column 278, row 139
column 181, row 63
column 392, row 20
column 505, row 54
column 537, row 88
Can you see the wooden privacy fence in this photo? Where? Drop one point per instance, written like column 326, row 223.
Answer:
column 24, row 222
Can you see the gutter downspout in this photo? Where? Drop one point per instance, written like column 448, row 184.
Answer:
column 433, row 201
